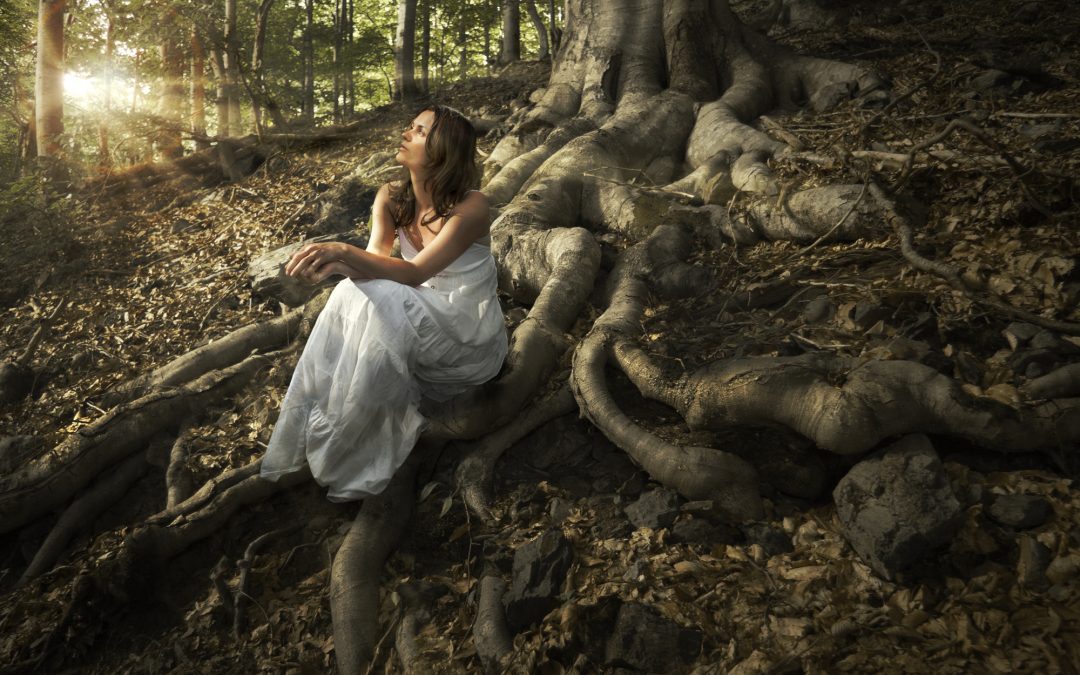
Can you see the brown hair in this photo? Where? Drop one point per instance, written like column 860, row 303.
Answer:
column 452, row 170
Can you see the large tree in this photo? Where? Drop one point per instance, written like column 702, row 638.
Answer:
column 404, row 47
column 643, row 134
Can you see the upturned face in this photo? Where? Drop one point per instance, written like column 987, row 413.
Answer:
column 412, row 153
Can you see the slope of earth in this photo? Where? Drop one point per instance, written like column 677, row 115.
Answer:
column 140, row 280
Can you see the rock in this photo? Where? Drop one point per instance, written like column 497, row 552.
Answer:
column 1020, row 511
column 819, row 309
column 559, row 509
column 267, row 271
column 1032, row 562
column 540, row 568
column 644, row 640
column 700, row 531
column 896, row 506
column 773, row 540
column 1064, row 569
column 866, row 314
column 1018, row 334
column 16, row 381
column 654, row 509
column 344, row 207
column 16, row 451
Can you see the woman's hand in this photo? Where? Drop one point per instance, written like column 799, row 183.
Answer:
column 315, row 262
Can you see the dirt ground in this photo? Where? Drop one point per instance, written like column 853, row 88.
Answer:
column 131, row 282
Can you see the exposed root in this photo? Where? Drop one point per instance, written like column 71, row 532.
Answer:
column 490, row 632
column 215, row 355
column 1061, row 383
column 77, row 517
column 354, row 578
column 56, row 476
column 207, row 493
column 244, row 565
column 696, row 472
column 178, row 485
column 475, row 470
column 414, row 612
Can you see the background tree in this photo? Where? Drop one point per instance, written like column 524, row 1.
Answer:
column 511, row 32
column 49, row 83
column 541, row 30
column 404, row 48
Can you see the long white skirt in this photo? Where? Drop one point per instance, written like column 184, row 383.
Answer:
column 352, row 409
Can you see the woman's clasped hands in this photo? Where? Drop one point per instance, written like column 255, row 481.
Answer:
column 315, row 262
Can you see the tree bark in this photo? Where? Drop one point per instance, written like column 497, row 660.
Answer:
column 232, row 69
column 257, row 84
column 404, row 44
column 221, row 96
column 511, row 32
column 172, row 92
column 309, row 63
column 425, row 45
column 198, row 91
column 49, row 79
column 104, row 159
column 541, row 31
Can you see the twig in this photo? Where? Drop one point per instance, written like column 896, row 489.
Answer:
column 949, row 274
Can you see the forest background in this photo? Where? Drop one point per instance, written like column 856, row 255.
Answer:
column 762, row 268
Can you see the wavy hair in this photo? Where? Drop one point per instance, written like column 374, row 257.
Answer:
column 452, row 170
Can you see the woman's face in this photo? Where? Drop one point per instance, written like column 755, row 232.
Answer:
column 412, row 153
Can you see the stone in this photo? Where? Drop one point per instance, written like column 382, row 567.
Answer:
column 772, row 539
column 897, row 506
column 1021, row 512
column 654, row 509
column 559, row 509
column 644, row 640
column 344, row 207
column 819, row 309
column 15, row 451
column 699, row 531
column 267, row 271
column 1031, row 563
column 540, row 568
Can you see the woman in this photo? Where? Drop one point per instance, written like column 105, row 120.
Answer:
column 428, row 324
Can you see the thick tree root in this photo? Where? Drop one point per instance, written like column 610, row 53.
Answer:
column 490, row 632
column 1061, row 383
column 413, row 613
column 354, row 578
column 103, row 494
column 477, row 466
column 696, row 472
column 178, row 485
column 215, row 355
column 849, row 407
column 55, row 477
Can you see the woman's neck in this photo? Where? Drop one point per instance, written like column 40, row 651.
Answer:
column 424, row 200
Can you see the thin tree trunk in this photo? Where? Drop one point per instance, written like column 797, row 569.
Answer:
column 135, row 82
column 404, row 44
column 49, row 79
column 198, row 91
column 337, row 59
column 463, row 43
column 172, row 93
column 258, row 85
column 221, row 100
column 511, row 32
column 232, row 68
column 487, row 46
column 309, row 63
column 556, row 32
column 541, row 31
column 350, row 79
column 425, row 45
column 104, row 159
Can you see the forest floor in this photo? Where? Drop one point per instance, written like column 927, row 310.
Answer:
column 133, row 281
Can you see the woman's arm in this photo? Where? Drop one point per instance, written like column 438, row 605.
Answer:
column 381, row 239
column 468, row 223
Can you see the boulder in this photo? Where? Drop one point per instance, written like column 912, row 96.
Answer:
column 644, row 640
column 1021, row 512
column 772, row 539
column 540, row 568
column 267, row 271
column 655, row 509
column 897, row 506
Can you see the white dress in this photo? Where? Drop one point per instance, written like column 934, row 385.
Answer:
column 352, row 409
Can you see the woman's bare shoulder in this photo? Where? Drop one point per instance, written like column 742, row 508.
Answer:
column 474, row 203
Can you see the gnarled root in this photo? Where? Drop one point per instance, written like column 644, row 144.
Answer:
column 475, row 470
column 103, row 494
column 56, row 476
column 490, row 632
column 354, row 578
column 215, row 355
column 696, row 472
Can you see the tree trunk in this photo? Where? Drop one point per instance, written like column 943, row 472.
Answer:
column 541, row 31
column 172, row 90
column 49, row 80
column 198, row 91
column 221, row 95
column 338, row 31
column 556, row 32
column 511, row 32
column 309, row 64
column 350, row 78
column 425, row 45
column 232, row 69
column 404, row 45
column 104, row 160
column 463, row 44
column 257, row 85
